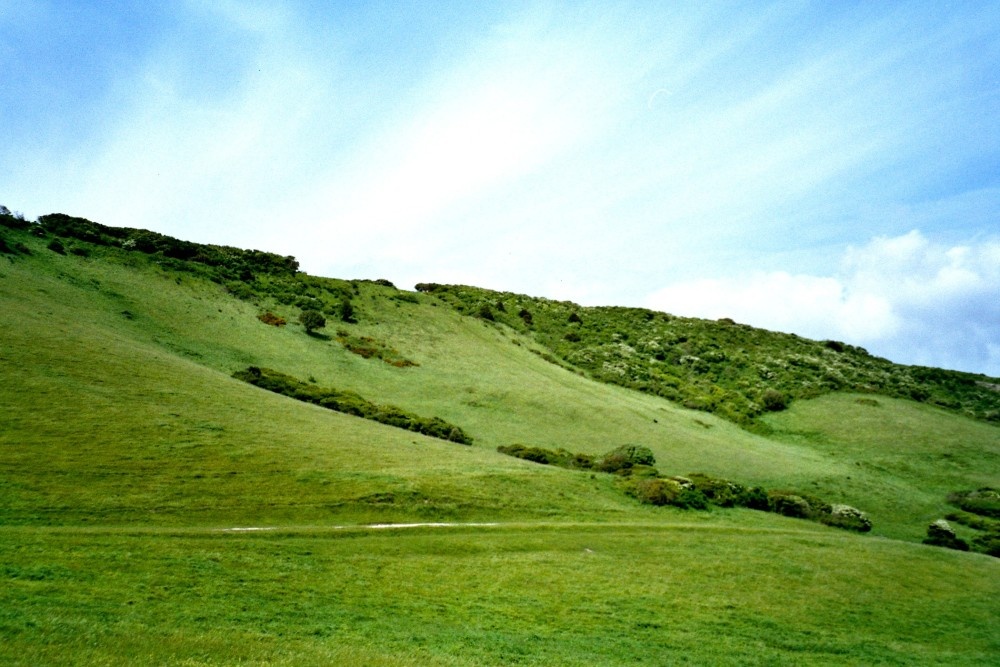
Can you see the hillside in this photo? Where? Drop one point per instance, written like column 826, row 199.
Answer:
column 736, row 371
column 128, row 448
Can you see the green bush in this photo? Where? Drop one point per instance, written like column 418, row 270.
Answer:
column 988, row 544
column 940, row 534
column 654, row 491
column 773, row 400
column 312, row 320
column 719, row 492
column 848, row 518
column 789, row 504
column 691, row 499
column 351, row 403
column 984, row 501
column 346, row 312
column 55, row 245
column 624, row 458
column 755, row 498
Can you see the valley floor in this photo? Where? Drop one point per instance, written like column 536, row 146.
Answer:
column 731, row 592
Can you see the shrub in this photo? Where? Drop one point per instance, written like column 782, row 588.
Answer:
column 312, row 320
column 941, row 534
column 719, row 492
column 988, row 544
column 55, row 245
column 625, row 457
column 368, row 348
column 346, row 312
column 755, row 499
column 984, row 501
column 773, row 400
column 691, row 499
column 789, row 504
column 848, row 518
column 272, row 319
column 654, row 491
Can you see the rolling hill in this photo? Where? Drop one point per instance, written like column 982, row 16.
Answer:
column 130, row 455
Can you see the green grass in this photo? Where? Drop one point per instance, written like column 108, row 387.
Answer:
column 569, row 595
column 903, row 458
column 126, row 448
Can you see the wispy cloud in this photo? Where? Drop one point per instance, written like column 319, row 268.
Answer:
column 592, row 153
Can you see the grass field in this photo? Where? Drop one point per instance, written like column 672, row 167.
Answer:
column 732, row 592
column 127, row 450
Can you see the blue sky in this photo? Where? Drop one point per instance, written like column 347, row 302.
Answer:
column 830, row 169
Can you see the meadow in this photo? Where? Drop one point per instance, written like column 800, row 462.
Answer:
column 129, row 453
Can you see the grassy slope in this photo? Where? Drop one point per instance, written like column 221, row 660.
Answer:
column 134, row 422
column 903, row 457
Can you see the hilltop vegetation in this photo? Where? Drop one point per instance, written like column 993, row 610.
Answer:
column 733, row 370
column 130, row 454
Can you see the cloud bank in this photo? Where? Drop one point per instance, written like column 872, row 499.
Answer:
column 906, row 298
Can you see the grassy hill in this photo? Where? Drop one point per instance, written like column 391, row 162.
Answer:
column 129, row 453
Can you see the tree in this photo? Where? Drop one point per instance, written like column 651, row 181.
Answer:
column 312, row 320
column 347, row 312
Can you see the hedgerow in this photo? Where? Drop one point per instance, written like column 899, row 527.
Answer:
column 351, row 403
column 981, row 512
column 633, row 465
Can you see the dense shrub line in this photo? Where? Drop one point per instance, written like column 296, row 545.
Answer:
column 984, row 501
column 250, row 275
column 230, row 263
column 634, row 464
column 980, row 512
column 351, row 403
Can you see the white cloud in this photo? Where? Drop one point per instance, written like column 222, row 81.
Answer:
column 818, row 307
column 905, row 297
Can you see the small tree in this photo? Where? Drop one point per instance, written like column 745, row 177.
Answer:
column 312, row 320
column 347, row 312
